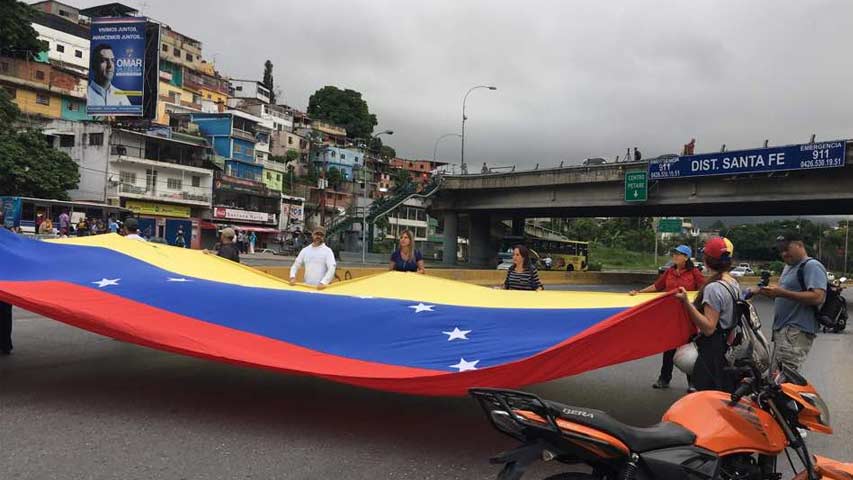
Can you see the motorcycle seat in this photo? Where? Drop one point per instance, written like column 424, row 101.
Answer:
column 638, row 439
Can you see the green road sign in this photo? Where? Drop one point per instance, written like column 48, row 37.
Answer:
column 636, row 186
column 669, row 225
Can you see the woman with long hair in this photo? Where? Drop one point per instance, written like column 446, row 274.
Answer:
column 522, row 275
column 713, row 313
column 682, row 273
column 406, row 258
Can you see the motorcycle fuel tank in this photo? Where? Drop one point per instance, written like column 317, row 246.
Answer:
column 724, row 429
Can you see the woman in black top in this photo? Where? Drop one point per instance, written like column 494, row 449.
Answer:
column 406, row 258
column 522, row 275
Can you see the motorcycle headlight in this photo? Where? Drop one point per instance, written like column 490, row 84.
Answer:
column 818, row 403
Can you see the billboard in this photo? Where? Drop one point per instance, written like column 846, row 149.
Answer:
column 117, row 67
column 10, row 212
column 808, row 156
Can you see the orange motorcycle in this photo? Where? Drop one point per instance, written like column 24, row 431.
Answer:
column 705, row 435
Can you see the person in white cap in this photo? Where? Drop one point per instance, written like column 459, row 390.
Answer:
column 318, row 259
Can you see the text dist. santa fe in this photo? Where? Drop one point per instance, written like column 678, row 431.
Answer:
column 738, row 162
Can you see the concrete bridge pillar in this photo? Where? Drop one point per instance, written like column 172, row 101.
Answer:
column 451, row 237
column 517, row 226
column 479, row 244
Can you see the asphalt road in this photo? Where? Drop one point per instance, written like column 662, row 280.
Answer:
column 74, row 405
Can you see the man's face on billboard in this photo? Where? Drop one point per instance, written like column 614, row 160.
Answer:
column 105, row 67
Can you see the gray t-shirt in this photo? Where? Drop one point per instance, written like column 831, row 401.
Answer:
column 719, row 297
column 789, row 312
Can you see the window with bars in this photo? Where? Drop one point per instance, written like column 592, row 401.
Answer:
column 96, row 139
column 174, row 183
column 42, row 99
column 196, row 181
column 128, row 178
column 66, row 141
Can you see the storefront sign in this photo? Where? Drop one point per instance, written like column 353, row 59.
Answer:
column 244, row 215
column 160, row 209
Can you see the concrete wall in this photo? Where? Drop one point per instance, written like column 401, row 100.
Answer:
column 92, row 159
column 490, row 277
column 71, row 44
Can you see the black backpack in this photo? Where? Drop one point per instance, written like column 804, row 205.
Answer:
column 827, row 313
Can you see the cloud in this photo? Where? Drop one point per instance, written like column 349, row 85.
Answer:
column 575, row 79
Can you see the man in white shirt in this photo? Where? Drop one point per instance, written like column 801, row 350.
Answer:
column 101, row 91
column 131, row 225
column 319, row 261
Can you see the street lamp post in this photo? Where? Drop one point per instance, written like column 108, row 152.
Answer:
column 465, row 99
column 364, row 207
column 439, row 139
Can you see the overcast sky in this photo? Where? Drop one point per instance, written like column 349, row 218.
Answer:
column 575, row 79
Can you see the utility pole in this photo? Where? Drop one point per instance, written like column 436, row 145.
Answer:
column 846, row 233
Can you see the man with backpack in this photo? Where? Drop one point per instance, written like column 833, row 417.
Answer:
column 797, row 300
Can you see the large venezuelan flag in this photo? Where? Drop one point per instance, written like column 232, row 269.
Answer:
column 394, row 331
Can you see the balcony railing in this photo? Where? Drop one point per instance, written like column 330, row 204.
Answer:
column 236, row 132
column 195, row 198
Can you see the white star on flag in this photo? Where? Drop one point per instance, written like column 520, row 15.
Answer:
column 422, row 308
column 105, row 282
column 365, row 297
column 457, row 334
column 171, row 279
column 464, row 366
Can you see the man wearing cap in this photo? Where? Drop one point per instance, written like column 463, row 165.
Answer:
column 795, row 302
column 131, row 226
column 682, row 273
column 318, row 259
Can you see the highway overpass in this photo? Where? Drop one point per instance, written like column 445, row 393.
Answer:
column 599, row 191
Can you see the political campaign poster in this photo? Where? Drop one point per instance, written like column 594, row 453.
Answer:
column 117, row 67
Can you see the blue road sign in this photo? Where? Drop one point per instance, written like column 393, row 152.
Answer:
column 808, row 156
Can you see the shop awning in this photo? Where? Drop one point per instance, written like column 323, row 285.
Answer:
column 256, row 229
column 245, row 228
column 207, row 225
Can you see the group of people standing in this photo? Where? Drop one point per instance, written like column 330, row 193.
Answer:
column 802, row 288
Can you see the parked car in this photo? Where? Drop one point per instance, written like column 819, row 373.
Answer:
column 741, row 271
column 744, row 265
column 699, row 265
column 666, row 266
column 594, row 161
column 505, row 260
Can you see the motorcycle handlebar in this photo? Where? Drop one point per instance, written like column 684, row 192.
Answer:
column 742, row 390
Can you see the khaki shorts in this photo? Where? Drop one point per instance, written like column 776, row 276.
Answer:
column 791, row 347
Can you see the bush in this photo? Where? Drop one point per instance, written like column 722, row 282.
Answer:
column 776, row 267
column 594, row 267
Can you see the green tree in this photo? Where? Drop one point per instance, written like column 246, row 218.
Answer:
column 291, row 156
column 17, row 36
column 342, row 107
column 402, row 179
column 387, row 152
column 269, row 81
column 29, row 167
column 334, row 177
